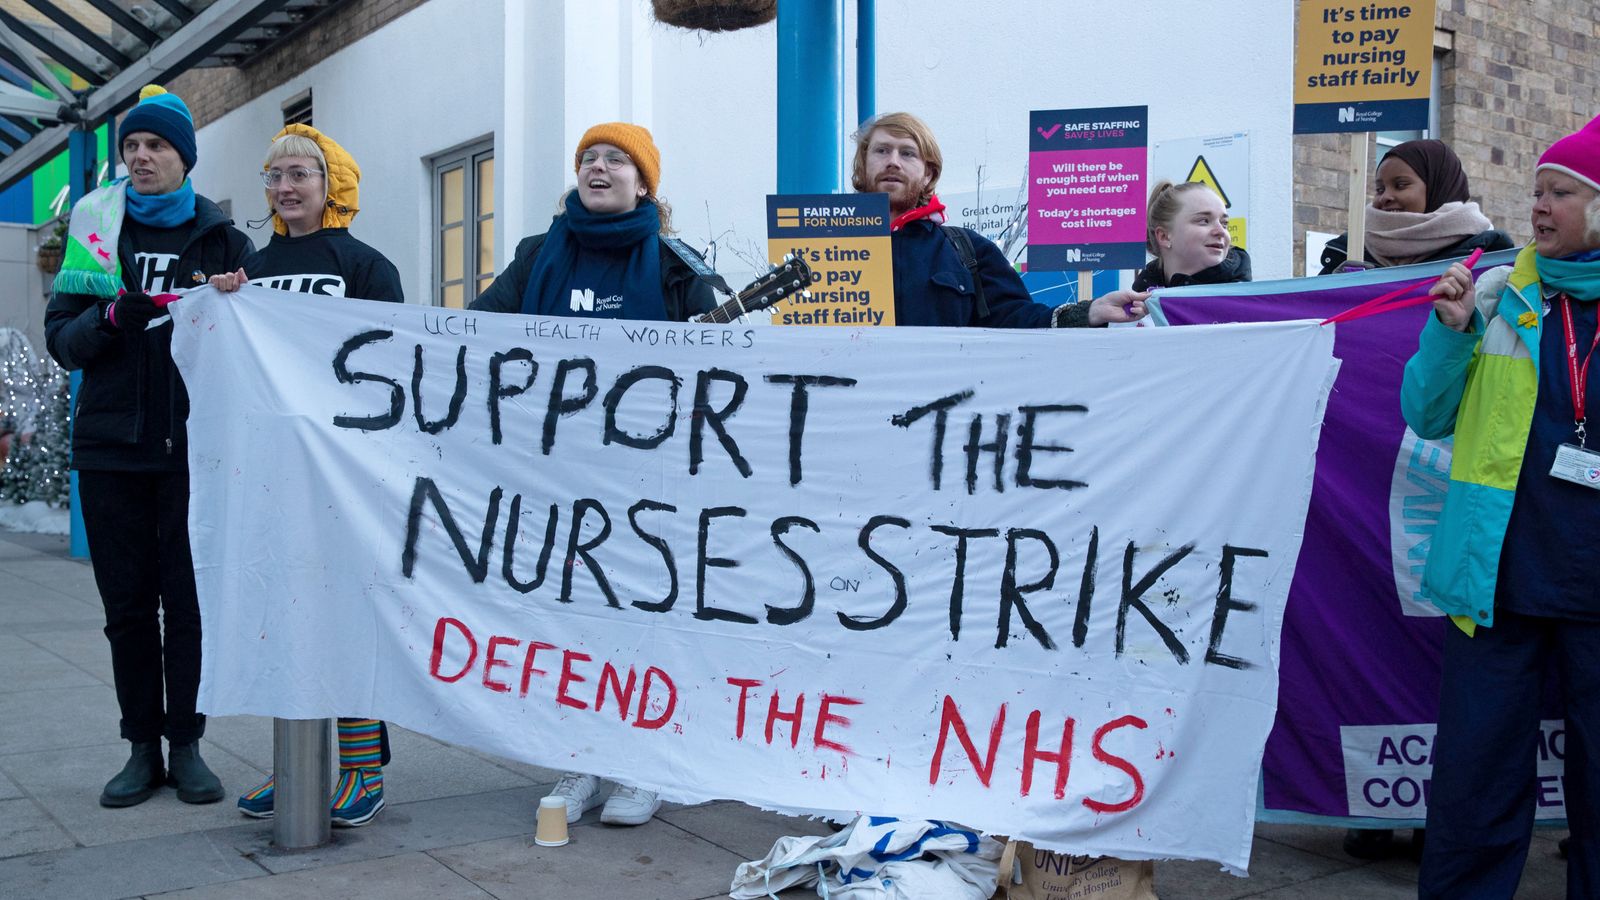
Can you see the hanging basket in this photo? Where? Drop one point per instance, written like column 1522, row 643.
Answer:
column 715, row 15
column 49, row 259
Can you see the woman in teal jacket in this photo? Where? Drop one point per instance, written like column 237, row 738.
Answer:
column 1516, row 556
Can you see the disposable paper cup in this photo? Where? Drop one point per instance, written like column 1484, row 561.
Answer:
column 552, row 827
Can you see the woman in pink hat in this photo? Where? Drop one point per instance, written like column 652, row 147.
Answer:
column 1504, row 368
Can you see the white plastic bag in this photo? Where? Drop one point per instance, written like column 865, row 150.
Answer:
column 877, row 858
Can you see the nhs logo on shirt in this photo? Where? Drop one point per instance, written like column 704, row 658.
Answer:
column 584, row 300
column 323, row 285
column 157, row 271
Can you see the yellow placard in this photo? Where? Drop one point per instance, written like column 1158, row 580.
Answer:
column 1348, row 51
column 852, row 281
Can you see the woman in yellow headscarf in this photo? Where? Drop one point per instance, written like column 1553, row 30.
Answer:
column 312, row 191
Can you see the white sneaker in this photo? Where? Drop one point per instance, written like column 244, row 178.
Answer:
column 630, row 805
column 582, row 793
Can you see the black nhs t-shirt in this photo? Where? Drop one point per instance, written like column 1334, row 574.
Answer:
column 328, row 262
column 155, row 257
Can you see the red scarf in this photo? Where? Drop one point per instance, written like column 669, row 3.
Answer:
column 934, row 208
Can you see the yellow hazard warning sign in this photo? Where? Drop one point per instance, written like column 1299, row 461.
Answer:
column 1220, row 162
column 1202, row 173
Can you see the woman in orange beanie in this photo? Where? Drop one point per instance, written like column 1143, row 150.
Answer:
column 604, row 258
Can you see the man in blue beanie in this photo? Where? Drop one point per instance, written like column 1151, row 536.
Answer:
column 143, row 235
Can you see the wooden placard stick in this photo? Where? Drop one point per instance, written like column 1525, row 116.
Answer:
column 1356, row 246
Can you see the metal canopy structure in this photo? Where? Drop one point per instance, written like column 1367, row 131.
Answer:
column 115, row 47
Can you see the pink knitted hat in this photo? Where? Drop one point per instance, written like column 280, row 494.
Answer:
column 1577, row 154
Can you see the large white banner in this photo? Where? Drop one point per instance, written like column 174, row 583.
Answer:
column 1028, row 581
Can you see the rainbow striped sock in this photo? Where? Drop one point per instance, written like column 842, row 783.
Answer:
column 361, row 747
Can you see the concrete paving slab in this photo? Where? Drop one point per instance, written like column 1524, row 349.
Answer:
column 25, row 828
column 36, row 605
column 1319, row 839
column 1351, row 884
column 83, row 644
column 745, row 831
column 533, row 773
column 34, row 545
column 127, row 869
column 412, row 876
column 247, row 737
column 8, row 788
column 73, row 579
column 1272, row 865
column 1545, row 875
column 403, row 828
column 58, row 719
column 67, row 785
column 26, row 666
column 655, row 861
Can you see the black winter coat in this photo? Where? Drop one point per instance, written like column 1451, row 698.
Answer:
column 132, row 407
column 1234, row 267
column 932, row 286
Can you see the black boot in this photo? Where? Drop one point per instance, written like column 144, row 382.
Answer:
column 138, row 779
column 187, row 772
column 1369, row 843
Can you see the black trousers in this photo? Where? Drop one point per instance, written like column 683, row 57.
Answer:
column 1485, row 788
column 138, row 529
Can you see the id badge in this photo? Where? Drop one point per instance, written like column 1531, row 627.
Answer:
column 1578, row 465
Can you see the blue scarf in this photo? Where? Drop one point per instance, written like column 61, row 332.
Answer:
column 580, row 232
column 1577, row 276
column 162, row 210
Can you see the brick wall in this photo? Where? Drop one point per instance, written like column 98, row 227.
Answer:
column 213, row 92
column 1522, row 74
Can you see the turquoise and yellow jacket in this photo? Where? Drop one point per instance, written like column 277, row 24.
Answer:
column 1479, row 386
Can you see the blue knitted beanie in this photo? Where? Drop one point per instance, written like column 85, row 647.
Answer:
column 161, row 113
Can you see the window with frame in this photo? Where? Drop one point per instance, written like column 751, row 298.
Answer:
column 463, row 224
column 297, row 109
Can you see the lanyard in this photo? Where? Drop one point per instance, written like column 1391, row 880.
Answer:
column 1578, row 374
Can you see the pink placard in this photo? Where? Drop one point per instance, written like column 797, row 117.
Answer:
column 1086, row 196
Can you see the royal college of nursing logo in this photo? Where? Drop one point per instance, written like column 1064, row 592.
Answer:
column 582, row 300
column 1347, row 113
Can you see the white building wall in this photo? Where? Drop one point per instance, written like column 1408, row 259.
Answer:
column 426, row 82
column 973, row 72
column 537, row 74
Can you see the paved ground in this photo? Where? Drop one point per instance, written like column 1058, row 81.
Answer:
column 458, row 824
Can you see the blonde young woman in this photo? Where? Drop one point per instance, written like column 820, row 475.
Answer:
column 312, row 191
column 1187, row 234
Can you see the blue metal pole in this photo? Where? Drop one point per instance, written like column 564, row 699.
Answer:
column 866, row 60
column 80, row 178
column 809, row 120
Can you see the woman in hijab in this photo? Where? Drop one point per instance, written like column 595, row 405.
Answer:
column 1420, row 212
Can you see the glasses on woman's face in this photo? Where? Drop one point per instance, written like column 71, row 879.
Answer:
column 614, row 159
column 297, row 176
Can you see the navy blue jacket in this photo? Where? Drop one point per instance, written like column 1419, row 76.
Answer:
column 933, row 287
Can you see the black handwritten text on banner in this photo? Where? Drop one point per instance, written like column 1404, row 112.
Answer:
column 1030, row 581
